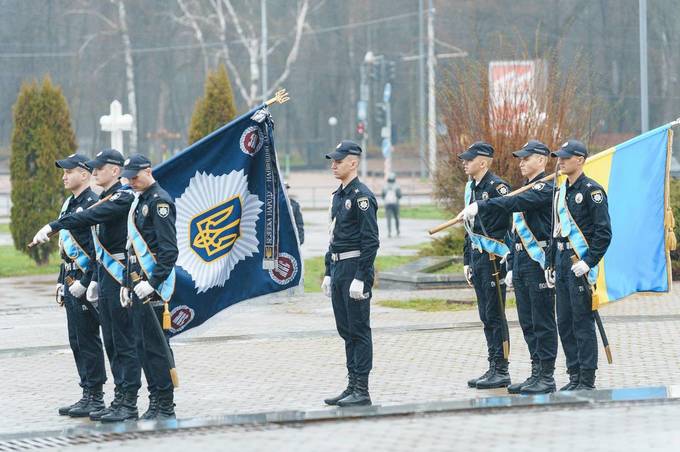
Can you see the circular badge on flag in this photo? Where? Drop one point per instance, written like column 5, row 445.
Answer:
column 180, row 317
column 251, row 140
column 286, row 269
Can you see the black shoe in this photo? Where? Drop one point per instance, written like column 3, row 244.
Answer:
column 166, row 405
column 574, row 377
column 115, row 403
column 517, row 387
column 499, row 378
column 63, row 411
column 473, row 383
column 545, row 383
column 152, row 411
column 349, row 390
column 360, row 395
column 125, row 411
column 587, row 380
column 95, row 402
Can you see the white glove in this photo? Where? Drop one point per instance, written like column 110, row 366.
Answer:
column 467, row 272
column 42, row 235
column 470, row 211
column 60, row 289
column 580, row 268
column 508, row 279
column 550, row 278
column 356, row 290
column 143, row 289
column 92, row 294
column 77, row 289
column 326, row 286
column 124, row 296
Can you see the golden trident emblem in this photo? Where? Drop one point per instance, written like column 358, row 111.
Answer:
column 210, row 235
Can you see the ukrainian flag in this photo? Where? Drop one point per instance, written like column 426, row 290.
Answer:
column 636, row 177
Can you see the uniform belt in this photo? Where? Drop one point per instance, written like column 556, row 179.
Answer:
column 347, row 255
column 564, row 246
column 70, row 266
column 519, row 246
column 119, row 256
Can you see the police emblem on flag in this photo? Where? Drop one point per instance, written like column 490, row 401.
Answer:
column 216, row 227
column 180, row 317
column 251, row 140
column 286, row 269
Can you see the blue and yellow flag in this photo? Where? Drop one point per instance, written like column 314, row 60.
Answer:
column 636, row 177
column 235, row 231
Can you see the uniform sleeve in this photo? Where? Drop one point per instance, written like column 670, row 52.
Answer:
column 166, row 237
column 299, row 222
column 602, row 228
column 466, row 250
column 327, row 263
column 531, row 199
column 102, row 213
column 368, row 228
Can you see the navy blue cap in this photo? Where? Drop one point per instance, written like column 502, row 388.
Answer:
column 343, row 149
column 107, row 156
column 571, row 148
column 134, row 165
column 74, row 161
column 532, row 147
column 477, row 149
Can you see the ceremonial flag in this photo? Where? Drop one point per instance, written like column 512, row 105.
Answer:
column 636, row 177
column 235, row 232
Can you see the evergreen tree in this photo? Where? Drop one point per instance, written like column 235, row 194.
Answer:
column 215, row 108
column 41, row 134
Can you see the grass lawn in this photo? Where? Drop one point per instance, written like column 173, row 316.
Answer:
column 14, row 263
column 315, row 268
column 421, row 212
column 435, row 304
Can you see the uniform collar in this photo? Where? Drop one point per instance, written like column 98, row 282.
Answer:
column 540, row 176
column 149, row 191
column 578, row 182
column 488, row 175
column 348, row 188
column 113, row 188
column 85, row 193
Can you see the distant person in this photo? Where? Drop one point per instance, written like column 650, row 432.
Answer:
column 297, row 216
column 391, row 195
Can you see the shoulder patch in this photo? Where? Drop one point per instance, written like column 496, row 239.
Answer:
column 597, row 196
column 502, row 189
column 363, row 203
column 539, row 186
column 163, row 209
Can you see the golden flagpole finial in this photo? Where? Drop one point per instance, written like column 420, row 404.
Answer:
column 281, row 97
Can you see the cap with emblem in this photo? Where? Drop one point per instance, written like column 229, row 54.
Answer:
column 532, row 147
column 343, row 149
column 134, row 165
column 477, row 149
column 74, row 161
column 571, row 148
column 107, row 156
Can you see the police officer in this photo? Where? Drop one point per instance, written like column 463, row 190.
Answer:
column 349, row 273
column 486, row 235
column 75, row 275
column 297, row 216
column 526, row 263
column 151, row 227
column 110, row 235
column 583, row 229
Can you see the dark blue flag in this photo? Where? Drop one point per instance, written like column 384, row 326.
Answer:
column 236, row 235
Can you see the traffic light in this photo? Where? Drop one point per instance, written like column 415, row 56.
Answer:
column 391, row 70
column 361, row 127
column 381, row 113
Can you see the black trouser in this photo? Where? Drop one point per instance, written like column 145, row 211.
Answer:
column 535, row 307
column 72, row 307
column 487, row 301
column 392, row 212
column 352, row 317
column 118, row 333
column 90, row 354
column 575, row 319
column 149, row 343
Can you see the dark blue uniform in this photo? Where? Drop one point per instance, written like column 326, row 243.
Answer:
column 535, row 300
column 154, row 217
column 587, row 203
column 82, row 317
column 110, row 219
column 496, row 226
column 354, row 215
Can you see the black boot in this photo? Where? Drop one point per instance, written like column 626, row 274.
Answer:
column 574, row 377
column 545, row 383
column 360, row 394
column 345, row 393
column 63, row 411
column 166, row 405
column 126, row 410
column 95, row 402
column 115, row 403
column 473, row 383
column 587, row 380
column 499, row 378
column 535, row 370
column 152, row 411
